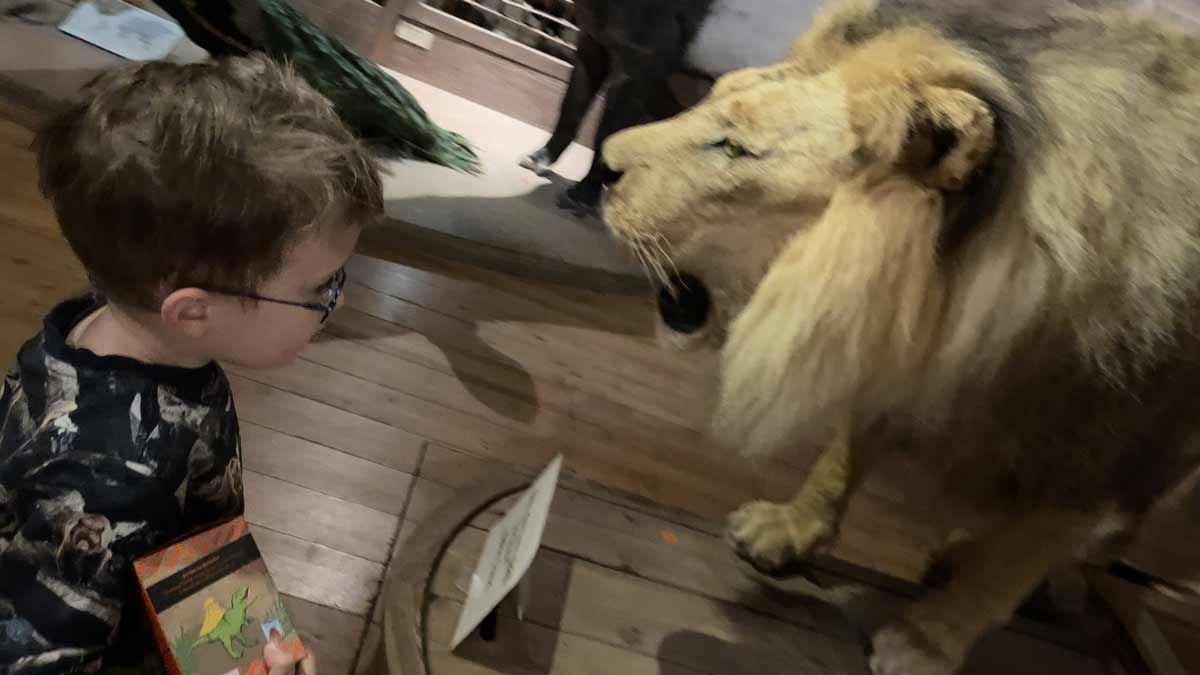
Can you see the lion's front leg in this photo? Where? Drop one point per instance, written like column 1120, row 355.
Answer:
column 992, row 576
column 775, row 538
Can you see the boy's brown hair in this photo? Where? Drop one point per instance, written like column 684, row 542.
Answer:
column 170, row 176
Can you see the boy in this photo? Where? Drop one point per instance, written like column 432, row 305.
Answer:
column 213, row 206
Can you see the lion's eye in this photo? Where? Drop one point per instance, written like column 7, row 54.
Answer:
column 732, row 149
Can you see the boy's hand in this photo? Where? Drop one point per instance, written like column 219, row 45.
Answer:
column 281, row 662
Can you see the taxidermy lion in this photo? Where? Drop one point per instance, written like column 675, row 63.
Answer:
column 973, row 238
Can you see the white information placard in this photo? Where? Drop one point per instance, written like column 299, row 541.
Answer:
column 508, row 552
column 123, row 29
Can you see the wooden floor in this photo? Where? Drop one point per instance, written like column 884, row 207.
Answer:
column 432, row 368
column 622, row 586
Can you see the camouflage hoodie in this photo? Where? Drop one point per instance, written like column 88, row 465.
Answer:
column 102, row 459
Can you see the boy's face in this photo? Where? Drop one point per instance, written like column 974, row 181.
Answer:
column 261, row 334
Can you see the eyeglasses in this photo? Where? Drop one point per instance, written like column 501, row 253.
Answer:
column 333, row 293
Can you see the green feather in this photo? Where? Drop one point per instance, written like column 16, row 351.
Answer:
column 372, row 103
column 382, row 113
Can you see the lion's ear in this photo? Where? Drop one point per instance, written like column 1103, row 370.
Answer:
column 937, row 135
column 951, row 135
column 835, row 29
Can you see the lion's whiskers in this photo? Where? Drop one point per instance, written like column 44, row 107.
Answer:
column 652, row 253
column 641, row 257
column 663, row 247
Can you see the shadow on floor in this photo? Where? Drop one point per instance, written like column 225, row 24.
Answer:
column 545, row 294
column 526, row 235
column 736, row 658
column 516, row 646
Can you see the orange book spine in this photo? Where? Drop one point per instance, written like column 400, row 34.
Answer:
column 164, row 647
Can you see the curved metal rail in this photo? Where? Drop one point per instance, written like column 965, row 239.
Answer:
column 405, row 597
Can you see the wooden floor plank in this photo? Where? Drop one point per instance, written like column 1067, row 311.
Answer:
column 603, row 309
column 707, row 570
column 364, row 664
column 318, row 573
column 332, row 635
column 39, row 270
column 579, row 600
column 532, row 649
column 431, row 384
column 485, row 385
column 426, row 496
column 309, row 515
column 446, row 468
column 629, row 542
column 626, row 612
column 324, row 470
column 641, row 470
column 324, row 424
column 35, row 274
column 635, row 358
column 636, row 442
column 498, row 377
column 480, row 293
column 21, row 202
column 445, row 471
column 383, row 404
column 561, row 357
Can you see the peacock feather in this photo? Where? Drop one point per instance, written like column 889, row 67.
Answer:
column 372, row 103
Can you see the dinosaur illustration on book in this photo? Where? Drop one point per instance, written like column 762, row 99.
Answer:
column 225, row 625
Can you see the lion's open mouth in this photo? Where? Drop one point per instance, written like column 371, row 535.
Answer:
column 686, row 309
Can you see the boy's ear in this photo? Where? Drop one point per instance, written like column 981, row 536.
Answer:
column 188, row 310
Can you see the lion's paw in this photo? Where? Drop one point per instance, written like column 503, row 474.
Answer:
column 894, row 652
column 775, row 538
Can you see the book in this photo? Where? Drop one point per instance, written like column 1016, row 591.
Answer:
column 212, row 603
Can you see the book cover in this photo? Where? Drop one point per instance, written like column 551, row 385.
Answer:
column 213, row 603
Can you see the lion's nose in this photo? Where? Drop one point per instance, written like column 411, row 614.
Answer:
column 612, row 184
column 617, row 149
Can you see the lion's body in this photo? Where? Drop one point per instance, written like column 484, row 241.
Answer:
column 1072, row 379
column 971, row 237
column 1064, row 316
